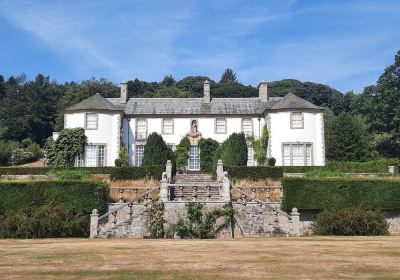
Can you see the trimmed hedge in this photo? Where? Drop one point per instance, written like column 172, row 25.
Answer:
column 117, row 173
column 377, row 166
column 335, row 193
column 133, row 173
column 79, row 196
column 254, row 172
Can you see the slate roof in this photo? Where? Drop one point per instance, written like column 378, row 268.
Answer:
column 94, row 102
column 194, row 106
column 292, row 101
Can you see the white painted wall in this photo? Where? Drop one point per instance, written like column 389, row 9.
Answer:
column 107, row 132
column 280, row 132
column 206, row 126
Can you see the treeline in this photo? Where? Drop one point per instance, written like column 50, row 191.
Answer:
column 34, row 108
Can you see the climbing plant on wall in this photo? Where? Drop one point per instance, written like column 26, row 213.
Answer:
column 181, row 153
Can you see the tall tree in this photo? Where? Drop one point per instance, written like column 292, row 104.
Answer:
column 228, row 76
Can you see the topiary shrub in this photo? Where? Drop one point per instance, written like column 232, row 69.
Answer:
column 208, row 147
column 182, row 153
column 234, row 150
column 123, row 157
column 271, row 161
column 350, row 221
column 156, row 151
column 118, row 162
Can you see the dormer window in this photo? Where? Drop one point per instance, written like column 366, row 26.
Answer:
column 296, row 120
column 91, row 121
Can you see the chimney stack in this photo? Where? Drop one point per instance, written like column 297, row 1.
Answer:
column 124, row 92
column 206, row 91
column 263, row 91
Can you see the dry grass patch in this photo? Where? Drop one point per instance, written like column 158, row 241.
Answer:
column 262, row 258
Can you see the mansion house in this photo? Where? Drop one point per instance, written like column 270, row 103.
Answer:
column 295, row 126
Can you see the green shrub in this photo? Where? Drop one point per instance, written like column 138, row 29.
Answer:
column 271, row 161
column 182, row 153
column 156, row 220
column 6, row 147
column 334, row 193
column 156, row 151
column 77, row 174
column 350, row 221
column 207, row 147
column 21, row 156
column 123, row 157
column 46, row 221
column 140, row 172
column 324, row 173
column 254, row 172
column 79, row 196
column 234, row 150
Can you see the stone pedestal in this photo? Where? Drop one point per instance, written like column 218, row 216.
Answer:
column 226, row 188
column 168, row 170
column 164, row 188
column 295, row 219
column 94, row 223
column 220, row 171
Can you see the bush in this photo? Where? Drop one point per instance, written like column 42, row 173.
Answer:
column 118, row 162
column 79, row 196
column 335, row 193
column 324, row 173
column 6, row 147
column 71, row 174
column 271, row 161
column 140, row 172
column 156, row 152
column 123, row 160
column 46, row 221
column 234, row 150
column 254, row 172
column 208, row 147
column 350, row 221
column 20, row 156
column 182, row 153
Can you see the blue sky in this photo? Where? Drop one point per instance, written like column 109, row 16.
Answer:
column 345, row 44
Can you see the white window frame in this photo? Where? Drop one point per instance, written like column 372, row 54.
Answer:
column 172, row 126
column 307, row 161
column 87, row 127
column 250, row 155
column 137, row 161
column 224, row 125
column 251, row 127
column 82, row 160
column 138, row 134
column 293, row 124
column 194, row 159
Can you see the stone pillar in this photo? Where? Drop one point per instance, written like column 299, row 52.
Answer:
column 168, row 170
column 391, row 170
column 164, row 188
column 94, row 223
column 220, row 171
column 226, row 188
column 295, row 215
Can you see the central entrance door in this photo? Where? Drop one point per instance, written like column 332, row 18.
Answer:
column 194, row 158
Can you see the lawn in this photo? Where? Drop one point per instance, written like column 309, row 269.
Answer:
column 262, row 258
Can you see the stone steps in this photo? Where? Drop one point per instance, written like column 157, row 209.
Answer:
column 203, row 177
column 192, row 193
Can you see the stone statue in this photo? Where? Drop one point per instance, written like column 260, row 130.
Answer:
column 194, row 132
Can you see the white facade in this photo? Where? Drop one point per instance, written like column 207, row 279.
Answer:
column 296, row 131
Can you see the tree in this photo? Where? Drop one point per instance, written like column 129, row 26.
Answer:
column 347, row 138
column 260, row 146
column 228, row 76
column 63, row 152
column 208, row 148
column 168, row 81
column 233, row 151
column 156, row 151
column 182, row 153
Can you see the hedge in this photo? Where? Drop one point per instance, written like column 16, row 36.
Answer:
column 377, row 166
column 80, row 196
column 335, row 193
column 254, row 172
column 119, row 173
column 133, row 173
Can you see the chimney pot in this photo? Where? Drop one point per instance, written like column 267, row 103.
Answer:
column 206, row 91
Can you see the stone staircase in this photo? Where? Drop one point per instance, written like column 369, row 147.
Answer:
column 195, row 187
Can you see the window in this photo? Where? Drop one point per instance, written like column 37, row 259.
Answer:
column 247, row 127
column 139, row 152
column 168, row 126
column 95, row 156
column 296, row 120
column 250, row 161
column 220, row 125
column 91, row 121
column 194, row 158
column 141, row 129
column 297, row 154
